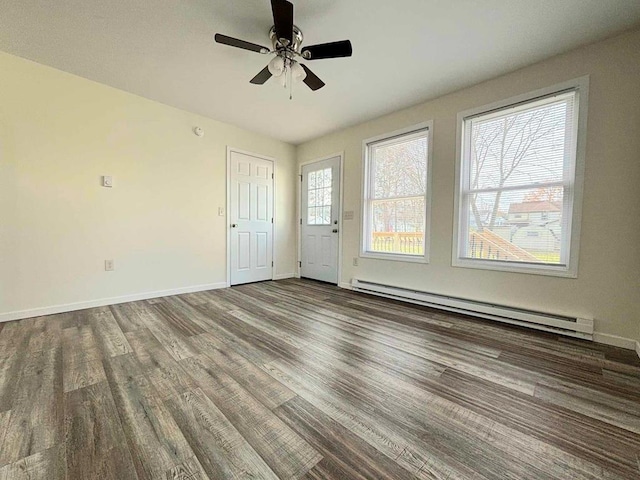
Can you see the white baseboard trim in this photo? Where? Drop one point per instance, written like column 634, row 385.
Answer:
column 284, row 276
column 70, row 307
column 345, row 285
column 614, row 340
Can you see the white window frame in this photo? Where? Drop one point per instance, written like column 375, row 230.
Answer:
column 366, row 181
column 572, row 205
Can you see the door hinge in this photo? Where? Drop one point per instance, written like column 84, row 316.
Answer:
column 300, row 177
column 271, row 219
column 300, row 264
column 272, row 264
column 272, row 176
column 300, row 221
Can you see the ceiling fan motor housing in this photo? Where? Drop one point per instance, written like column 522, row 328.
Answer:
column 279, row 46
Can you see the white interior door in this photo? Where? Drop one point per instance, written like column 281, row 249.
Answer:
column 251, row 218
column 320, row 222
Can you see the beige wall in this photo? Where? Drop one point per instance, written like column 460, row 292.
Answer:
column 58, row 135
column 608, row 284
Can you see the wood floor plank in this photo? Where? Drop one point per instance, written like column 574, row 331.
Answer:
column 382, row 356
column 473, row 363
column 631, row 381
column 219, row 335
column 178, row 306
column 170, row 380
column 46, row 465
column 263, row 343
column 155, row 441
column 190, row 469
column 220, row 448
column 177, row 346
column 286, row 453
column 36, row 419
column 127, row 319
column 44, row 332
column 268, row 328
column 95, row 442
column 148, row 350
column 262, row 386
column 81, row 358
column 110, row 338
column 14, row 349
column 178, row 320
column 595, row 404
column 344, row 452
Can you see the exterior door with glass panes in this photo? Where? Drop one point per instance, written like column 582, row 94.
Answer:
column 320, row 222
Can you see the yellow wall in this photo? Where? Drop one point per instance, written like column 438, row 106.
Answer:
column 608, row 284
column 58, row 135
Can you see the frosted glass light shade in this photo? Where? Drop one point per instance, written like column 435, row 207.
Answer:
column 276, row 66
column 297, row 72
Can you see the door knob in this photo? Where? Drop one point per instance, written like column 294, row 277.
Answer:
column 335, row 230
column 234, row 225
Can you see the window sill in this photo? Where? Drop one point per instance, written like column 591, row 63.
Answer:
column 396, row 257
column 511, row 267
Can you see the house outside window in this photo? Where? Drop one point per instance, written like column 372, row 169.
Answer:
column 396, row 195
column 519, row 182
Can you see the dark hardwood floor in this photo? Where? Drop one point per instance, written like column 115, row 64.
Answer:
column 297, row 379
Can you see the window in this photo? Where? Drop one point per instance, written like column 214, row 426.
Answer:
column 396, row 204
column 519, row 183
column 319, row 197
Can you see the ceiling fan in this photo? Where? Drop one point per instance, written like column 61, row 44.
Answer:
column 286, row 41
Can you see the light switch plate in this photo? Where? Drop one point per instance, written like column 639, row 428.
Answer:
column 107, row 181
column 108, row 266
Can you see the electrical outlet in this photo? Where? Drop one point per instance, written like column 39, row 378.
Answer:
column 355, row 261
column 107, row 181
column 108, row 266
column 221, row 211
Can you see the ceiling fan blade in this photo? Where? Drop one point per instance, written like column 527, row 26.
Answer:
column 261, row 77
column 328, row 50
column 283, row 19
column 312, row 80
column 234, row 42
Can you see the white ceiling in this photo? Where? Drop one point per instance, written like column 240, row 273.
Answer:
column 405, row 51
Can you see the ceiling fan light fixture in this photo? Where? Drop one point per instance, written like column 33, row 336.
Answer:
column 276, row 66
column 297, row 72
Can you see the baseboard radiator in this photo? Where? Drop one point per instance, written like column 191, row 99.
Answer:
column 570, row 326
